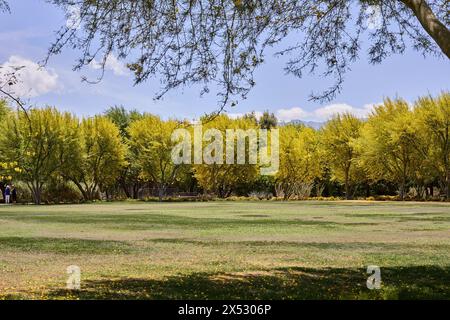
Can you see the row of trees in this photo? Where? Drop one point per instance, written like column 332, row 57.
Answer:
column 120, row 152
column 404, row 145
column 42, row 145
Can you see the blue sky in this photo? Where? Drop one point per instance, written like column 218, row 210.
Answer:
column 26, row 34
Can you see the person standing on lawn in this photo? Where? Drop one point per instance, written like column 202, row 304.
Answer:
column 14, row 194
column 7, row 194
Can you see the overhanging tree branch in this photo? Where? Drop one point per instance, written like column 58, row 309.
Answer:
column 435, row 28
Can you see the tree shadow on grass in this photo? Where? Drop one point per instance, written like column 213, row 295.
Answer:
column 145, row 221
column 385, row 246
column 64, row 245
column 419, row 282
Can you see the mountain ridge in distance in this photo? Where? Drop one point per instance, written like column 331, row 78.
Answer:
column 313, row 124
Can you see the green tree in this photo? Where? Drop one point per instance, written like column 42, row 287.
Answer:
column 129, row 178
column 299, row 161
column 43, row 143
column 101, row 156
column 268, row 121
column 122, row 118
column 339, row 150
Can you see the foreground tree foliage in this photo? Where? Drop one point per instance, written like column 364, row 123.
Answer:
column 219, row 44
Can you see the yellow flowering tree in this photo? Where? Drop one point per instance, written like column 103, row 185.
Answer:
column 299, row 161
column 100, row 157
column 40, row 144
column 433, row 121
column 338, row 138
column 151, row 142
column 7, row 168
column 388, row 145
column 223, row 177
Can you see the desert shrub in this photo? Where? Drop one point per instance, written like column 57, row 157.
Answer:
column 294, row 191
column 199, row 198
column 387, row 198
column 239, row 198
column 325, row 198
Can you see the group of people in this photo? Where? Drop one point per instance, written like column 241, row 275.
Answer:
column 10, row 194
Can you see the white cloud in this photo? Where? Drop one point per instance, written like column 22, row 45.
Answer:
column 332, row 109
column 32, row 80
column 329, row 111
column 113, row 64
column 258, row 114
column 291, row 114
column 324, row 113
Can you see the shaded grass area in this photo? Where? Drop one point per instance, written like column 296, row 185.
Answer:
column 357, row 246
column 422, row 216
column 231, row 250
column 145, row 221
column 420, row 282
column 63, row 246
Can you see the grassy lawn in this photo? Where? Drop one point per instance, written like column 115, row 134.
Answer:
column 251, row 250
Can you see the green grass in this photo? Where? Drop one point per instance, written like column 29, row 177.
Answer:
column 235, row 250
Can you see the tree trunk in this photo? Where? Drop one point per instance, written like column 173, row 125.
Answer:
column 435, row 28
column 84, row 192
column 286, row 193
column 2, row 189
column 36, row 192
column 402, row 189
column 447, row 185
column 125, row 188
column 161, row 192
column 90, row 192
column 347, row 187
column 136, row 188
